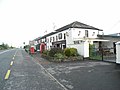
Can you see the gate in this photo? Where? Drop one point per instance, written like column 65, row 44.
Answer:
column 109, row 54
column 105, row 54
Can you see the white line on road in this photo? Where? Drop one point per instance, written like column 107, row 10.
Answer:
column 4, row 51
column 11, row 63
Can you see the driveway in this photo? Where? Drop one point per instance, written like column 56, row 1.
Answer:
column 84, row 75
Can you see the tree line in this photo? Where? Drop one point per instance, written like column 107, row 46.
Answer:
column 4, row 46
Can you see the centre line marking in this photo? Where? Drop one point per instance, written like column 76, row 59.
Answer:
column 11, row 63
column 13, row 58
column 7, row 74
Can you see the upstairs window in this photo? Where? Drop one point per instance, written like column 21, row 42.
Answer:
column 86, row 33
column 45, row 39
column 50, row 39
column 93, row 34
column 60, row 36
column 56, row 37
column 53, row 39
column 40, row 40
column 79, row 33
column 64, row 36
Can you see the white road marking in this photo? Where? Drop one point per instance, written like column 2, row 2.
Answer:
column 50, row 75
column 4, row 51
column 11, row 63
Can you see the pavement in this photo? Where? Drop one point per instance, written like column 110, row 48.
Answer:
column 84, row 75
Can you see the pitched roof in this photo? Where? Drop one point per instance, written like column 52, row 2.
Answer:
column 77, row 24
column 115, row 34
column 51, row 33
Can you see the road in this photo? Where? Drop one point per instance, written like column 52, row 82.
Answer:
column 19, row 71
column 84, row 75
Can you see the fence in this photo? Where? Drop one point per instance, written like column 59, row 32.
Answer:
column 106, row 54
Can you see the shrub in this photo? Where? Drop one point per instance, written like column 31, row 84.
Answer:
column 91, row 50
column 53, row 51
column 70, row 52
column 67, row 52
column 46, row 52
column 73, row 52
column 59, row 56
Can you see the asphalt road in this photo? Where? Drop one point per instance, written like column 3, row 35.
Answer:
column 84, row 75
column 19, row 71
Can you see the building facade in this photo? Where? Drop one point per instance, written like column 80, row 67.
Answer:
column 76, row 34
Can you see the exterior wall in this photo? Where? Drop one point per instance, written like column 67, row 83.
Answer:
column 118, row 52
column 80, row 33
column 71, row 34
column 82, row 48
column 69, row 40
column 79, row 48
column 86, row 49
column 49, row 44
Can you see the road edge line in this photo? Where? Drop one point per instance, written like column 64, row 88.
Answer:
column 50, row 75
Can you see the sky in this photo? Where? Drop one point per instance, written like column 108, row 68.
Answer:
column 24, row 20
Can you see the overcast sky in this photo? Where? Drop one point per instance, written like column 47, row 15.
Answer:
column 24, row 20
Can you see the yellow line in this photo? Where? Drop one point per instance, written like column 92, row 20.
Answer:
column 7, row 74
column 11, row 63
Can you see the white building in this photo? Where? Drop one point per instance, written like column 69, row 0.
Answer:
column 76, row 34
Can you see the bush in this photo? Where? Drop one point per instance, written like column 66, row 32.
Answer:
column 59, row 56
column 70, row 52
column 46, row 52
column 53, row 51
column 73, row 52
column 67, row 52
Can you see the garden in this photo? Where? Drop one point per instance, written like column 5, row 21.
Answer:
column 59, row 55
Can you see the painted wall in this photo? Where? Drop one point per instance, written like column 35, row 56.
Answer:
column 80, row 33
column 79, row 48
column 118, row 52
column 82, row 48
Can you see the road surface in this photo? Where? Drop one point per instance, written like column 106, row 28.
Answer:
column 19, row 71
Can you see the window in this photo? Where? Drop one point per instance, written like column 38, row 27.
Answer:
column 45, row 39
column 93, row 34
column 76, row 42
column 56, row 37
column 79, row 33
column 64, row 36
column 50, row 39
column 53, row 39
column 86, row 33
column 60, row 36
column 41, row 41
